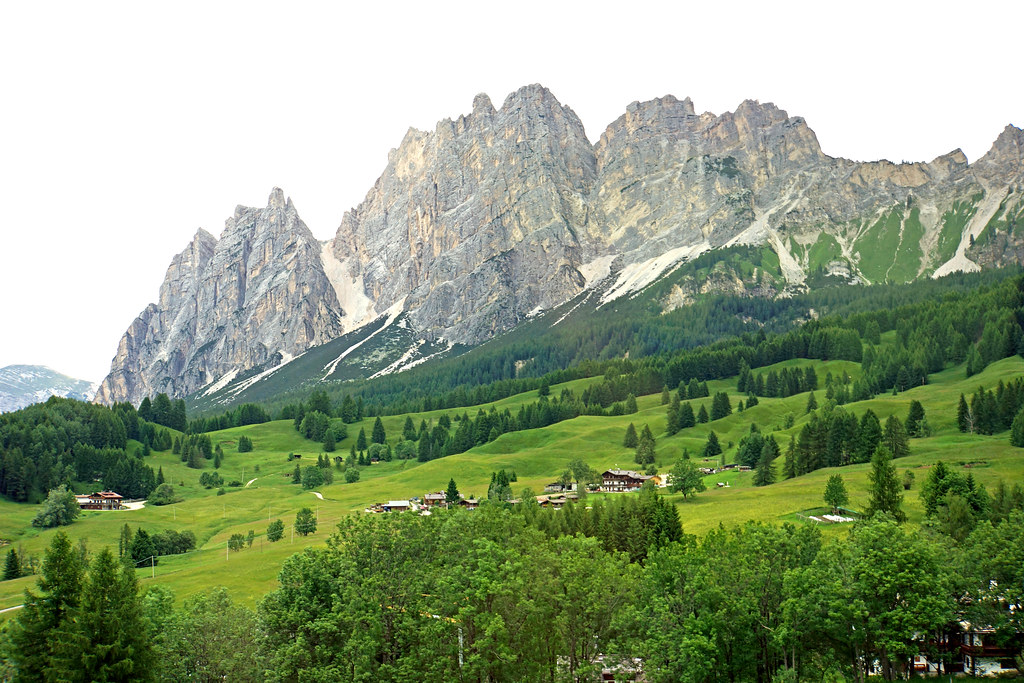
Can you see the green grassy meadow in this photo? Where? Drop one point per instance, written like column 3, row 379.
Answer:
column 537, row 456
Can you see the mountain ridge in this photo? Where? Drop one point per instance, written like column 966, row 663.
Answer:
column 23, row 385
column 499, row 214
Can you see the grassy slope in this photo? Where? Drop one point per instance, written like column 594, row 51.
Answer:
column 537, row 456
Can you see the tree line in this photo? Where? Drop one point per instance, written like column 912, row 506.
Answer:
column 55, row 443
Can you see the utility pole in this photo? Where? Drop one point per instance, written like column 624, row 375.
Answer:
column 152, row 564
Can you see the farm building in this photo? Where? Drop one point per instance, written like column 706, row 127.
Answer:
column 622, row 480
column 102, row 500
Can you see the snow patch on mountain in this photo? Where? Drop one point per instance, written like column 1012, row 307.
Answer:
column 637, row 276
column 350, row 291
column 392, row 313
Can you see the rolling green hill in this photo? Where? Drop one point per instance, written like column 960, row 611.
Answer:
column 538, row 456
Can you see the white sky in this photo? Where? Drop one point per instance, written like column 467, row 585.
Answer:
column 126, row 126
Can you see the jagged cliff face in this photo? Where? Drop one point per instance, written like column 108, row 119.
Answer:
column 502, row 213
column 256, row 296
column 476, row 224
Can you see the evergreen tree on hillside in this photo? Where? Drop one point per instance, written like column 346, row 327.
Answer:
column 964, row 420
column 915, row 419
column 49, row 612
column 686, row 417
column 812, row 403
column 452, row 493
column 702, row 414
column 789, row 466
column 361, row 440
column 348, row 411
column 711, row 446
column 885, row 494
column 409, row 430
column 1017, row 430
column 720, row 406
column 672, row 423
column 378, row 435
column 630, row 440
column 765, row 472
column 810, row 382
column 645, row 447
column 12, row 565
column 895, row 438
column 109, row 640
column 146, row 410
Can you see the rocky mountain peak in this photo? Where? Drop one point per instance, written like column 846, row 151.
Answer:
column 499, row 214
column 254, row 298
column 1007, row 151
column 482, row 106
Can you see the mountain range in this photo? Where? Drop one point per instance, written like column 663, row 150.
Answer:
column 22, row 385
column 502, row 215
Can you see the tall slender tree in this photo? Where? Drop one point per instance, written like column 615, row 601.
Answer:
column 885, row 494
column 46, row 613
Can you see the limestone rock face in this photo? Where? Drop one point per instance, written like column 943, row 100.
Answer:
column 502, row 213
column 256, row 296
column 476, row 224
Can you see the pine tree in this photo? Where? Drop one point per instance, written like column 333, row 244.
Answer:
column 915, row 418
column 109, row 640
column 686, row 416
column 885, row 494
column 630, row 440
column 895, row 438
column 49, row 611
column 869, row 435
column 664, row 395
column 963, row 416
column 297, row 475
column 124, row 544
column 361, row 440
column 378, row 435
column 1017, row 430
column 329, row 445
column 789, row 466
column 12, row 565
column 409, row 430
column 812, row 403
column 645, row 447
column 451, row 494
column 711, row 446
column 702, row 414
column 765, row 472
column 160, row 475
column 720, row 406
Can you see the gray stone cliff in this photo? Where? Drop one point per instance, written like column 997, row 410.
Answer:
column 500, row 213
